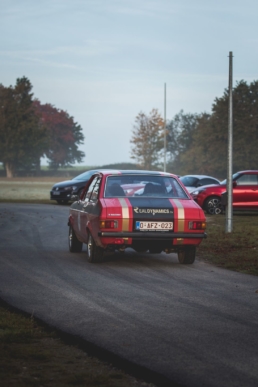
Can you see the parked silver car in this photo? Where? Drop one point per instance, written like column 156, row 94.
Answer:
column 191, row 182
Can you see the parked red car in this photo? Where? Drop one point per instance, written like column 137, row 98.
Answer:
column 108, row 216
column 245, row 193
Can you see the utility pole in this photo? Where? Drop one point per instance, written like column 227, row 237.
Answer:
column 165, row 132
column 229, row 207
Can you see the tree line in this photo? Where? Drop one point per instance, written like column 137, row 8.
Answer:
column 197, row 143
column 30, row 130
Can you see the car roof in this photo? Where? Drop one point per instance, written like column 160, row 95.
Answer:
column 106, row 172
column 200, row 176
column 249, row 171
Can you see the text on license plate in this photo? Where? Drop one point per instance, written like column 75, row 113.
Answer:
column 56, row 193
column 163, row 226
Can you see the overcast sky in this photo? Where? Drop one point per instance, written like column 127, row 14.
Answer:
column 104, row 61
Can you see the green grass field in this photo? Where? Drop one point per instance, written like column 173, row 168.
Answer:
column 237, row 250
column 29, row 190
column 24, row 191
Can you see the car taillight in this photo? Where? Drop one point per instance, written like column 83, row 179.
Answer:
column 108, row 224
column 119, row 241
column 197, row 225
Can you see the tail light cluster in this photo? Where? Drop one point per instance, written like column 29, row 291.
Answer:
column 197, row 225
column 111, row 224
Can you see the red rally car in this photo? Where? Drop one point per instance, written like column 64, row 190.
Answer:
column 158, row 216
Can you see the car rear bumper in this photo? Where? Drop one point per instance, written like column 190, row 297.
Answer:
column 152, row 235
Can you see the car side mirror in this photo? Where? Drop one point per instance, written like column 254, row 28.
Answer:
column 234, row 184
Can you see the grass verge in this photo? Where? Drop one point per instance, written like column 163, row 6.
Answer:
column 237, row 250
column 33, row 355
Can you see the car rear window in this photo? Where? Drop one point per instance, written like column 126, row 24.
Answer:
column 144, row 186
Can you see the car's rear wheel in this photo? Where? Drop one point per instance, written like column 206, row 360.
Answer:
column 75, row 246
column 213, row 205
column 187, row 256
column 95, row 253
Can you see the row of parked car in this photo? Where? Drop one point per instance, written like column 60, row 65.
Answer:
column 207, row 191
column 245, row 193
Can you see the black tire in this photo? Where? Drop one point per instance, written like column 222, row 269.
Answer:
column 95, row 253
column 187, row 256
column 213, row 205
column 75, row 246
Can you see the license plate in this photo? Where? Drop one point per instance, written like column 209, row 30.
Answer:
column 158, row 226
column 56, row 193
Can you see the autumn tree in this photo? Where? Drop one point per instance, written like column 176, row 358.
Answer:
column 180, row 132
column 245, row 128
column 208, row 152
column 21, row 138
column 147, row 139
column 64, row 136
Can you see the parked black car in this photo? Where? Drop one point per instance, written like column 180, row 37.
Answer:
column 62, row 192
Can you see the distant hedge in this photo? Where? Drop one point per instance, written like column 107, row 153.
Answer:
column 67, row 172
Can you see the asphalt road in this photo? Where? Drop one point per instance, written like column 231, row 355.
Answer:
column 196, row 325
